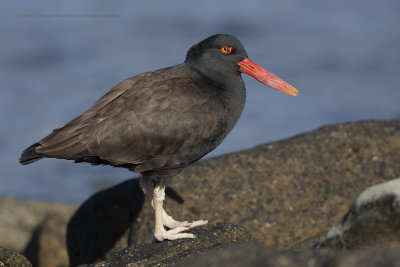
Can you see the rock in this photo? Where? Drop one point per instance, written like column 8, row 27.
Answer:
column 373, row 219
column 9, row 258
column 208, row 237
column 106, row 222
column 258, row 257
column 284, row 193
column 288, row 191
column 47, row 247
column 18, row 220
column 271, row 257
column 369, row 257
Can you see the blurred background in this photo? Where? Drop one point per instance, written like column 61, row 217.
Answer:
column 59, row 57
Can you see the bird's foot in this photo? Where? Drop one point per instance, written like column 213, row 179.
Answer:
column 162, row 219
column 175, row 229
column 162, row 234
column 171, row 223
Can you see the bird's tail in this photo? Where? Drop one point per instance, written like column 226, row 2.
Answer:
column 30, row 155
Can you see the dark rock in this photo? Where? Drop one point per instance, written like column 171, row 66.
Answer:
column 270, row 257
column 368, row 257
column 258, row 257
column 373, row 219
column 208, row 237
column 288, row 191
column 284, row 193
column 9, row 258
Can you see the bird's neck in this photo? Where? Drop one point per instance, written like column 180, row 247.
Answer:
column 229, row 84
column 231, row 91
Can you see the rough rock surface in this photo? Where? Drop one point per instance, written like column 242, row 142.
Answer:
column 9, row 258
column 283, row 192
column 208, row 237
column 270, row 257
column 373, row 219
column 18, row 220
column 369, row 234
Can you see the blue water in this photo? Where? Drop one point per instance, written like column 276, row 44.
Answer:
column 59, row 57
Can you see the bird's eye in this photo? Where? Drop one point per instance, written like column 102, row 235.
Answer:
column 226, row 49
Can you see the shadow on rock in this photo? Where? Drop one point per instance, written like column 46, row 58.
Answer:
column 47, row 247
column 98, row 227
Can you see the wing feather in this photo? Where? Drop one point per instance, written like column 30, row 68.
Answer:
column 147, row 117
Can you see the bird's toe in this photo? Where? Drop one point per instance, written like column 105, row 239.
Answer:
column 173, row 234
column 198, row 223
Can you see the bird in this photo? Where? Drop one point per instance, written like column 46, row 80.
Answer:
column 158, row 123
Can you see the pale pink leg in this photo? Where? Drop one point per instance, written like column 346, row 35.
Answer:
column 157, row 196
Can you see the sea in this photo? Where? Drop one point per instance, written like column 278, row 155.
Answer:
column 59, row 57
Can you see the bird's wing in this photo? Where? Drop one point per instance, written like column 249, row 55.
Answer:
column 144, row 117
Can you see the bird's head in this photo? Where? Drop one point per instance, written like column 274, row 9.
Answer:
column 222, row 57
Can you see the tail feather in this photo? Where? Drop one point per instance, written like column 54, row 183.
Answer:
column 30, row 155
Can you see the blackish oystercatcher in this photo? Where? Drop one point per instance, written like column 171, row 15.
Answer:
column 159, row 122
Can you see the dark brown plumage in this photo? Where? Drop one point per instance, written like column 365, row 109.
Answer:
column 147, row 123
column 159, row 122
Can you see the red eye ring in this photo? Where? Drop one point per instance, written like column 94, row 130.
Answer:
column 226, row 49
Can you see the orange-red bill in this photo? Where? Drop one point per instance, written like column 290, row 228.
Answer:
column 262, row 75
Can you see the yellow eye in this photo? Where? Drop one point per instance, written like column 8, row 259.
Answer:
column 226, row 49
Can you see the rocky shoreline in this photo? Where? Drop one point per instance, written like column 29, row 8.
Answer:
column 326, row 196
